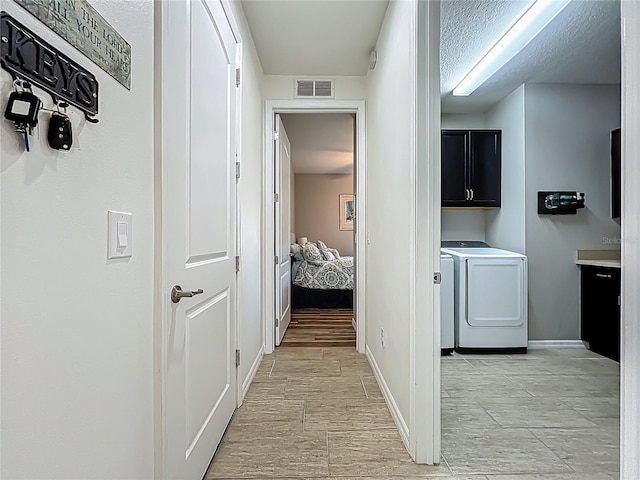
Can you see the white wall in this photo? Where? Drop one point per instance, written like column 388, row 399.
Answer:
column 462, row 224
column 317, row 200
column 250, row 325
column 463, row 120
column 77, row 329
column 567, row 148
column 505, row 225
column 282, row 87
column 389, row 187
column 457, row 223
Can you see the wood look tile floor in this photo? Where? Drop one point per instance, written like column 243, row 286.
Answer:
column 318, row 413
column 312, row 327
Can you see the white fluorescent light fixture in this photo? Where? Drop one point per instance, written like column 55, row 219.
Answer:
column 530, row 24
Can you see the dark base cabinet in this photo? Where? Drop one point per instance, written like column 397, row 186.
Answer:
column 600, row 310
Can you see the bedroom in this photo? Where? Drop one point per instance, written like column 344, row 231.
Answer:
column 321, row 215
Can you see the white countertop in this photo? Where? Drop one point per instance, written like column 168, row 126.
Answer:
column 599, row 258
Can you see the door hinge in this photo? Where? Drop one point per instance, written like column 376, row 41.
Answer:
column 276, row 260
column 437, row 278
column 276, row 198
column 237, row 263
column 237, row 77
column 276, row 135
column 237, row 358
column 277, row 322
column 237, row 170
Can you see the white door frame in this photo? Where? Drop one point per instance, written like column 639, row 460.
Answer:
column 630, row 308
column 226, row 6
column 424, row 331
column 312, row 106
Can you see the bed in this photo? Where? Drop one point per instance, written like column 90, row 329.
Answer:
column 321, row 283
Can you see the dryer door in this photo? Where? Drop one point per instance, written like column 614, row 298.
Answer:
column 496, row 292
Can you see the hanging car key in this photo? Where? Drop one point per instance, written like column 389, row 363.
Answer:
column 22, row 109
column 60, row 135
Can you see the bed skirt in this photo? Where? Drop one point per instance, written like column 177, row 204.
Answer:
column 311, row 298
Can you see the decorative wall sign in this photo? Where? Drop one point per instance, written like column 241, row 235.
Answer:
column 83, row 27
column 26, row 56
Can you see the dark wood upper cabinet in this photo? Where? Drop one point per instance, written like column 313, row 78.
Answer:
column 471, row 168
column 455, row 151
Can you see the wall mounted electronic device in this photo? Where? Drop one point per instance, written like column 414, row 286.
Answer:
column 559, row 203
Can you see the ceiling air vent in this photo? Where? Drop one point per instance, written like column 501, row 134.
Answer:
column 314, row 88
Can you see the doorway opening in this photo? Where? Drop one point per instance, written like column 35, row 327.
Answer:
column 315, row 214
column 314, row 219
column 541, row 126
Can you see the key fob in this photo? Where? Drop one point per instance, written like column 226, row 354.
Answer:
column 22, row 108
column 60, row 134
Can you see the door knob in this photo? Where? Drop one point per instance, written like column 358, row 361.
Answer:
column 177, row 293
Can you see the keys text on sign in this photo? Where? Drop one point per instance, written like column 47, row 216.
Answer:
column 27, row 56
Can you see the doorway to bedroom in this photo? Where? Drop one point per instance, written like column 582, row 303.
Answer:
column 314, row 212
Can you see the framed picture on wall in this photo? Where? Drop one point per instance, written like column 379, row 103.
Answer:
column 347, row 211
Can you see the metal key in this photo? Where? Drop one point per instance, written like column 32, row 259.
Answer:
column 22, row 129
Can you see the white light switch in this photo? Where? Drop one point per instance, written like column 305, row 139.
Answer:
column 120, row 230
column 122, row 235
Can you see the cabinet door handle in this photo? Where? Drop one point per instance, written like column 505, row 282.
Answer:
column 466, row 194
column 603, row 275
column 471, row 190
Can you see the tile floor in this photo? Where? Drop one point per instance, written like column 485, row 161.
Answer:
column 318, row 413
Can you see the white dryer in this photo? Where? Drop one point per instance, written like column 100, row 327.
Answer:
column 447, row 305
column 490, row 299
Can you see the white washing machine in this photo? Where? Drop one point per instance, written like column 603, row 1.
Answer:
column 490, row 311
column 447, row 299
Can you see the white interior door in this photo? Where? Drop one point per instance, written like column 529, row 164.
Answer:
column 198, row 228
column 282, row 182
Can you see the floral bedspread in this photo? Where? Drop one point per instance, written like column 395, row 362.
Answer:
column 330, row 275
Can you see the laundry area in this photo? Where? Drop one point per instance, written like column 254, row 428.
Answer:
column 530, row 230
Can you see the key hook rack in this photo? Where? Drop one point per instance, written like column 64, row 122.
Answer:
column 30, row 59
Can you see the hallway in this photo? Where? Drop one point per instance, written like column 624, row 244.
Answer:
column 314, row 413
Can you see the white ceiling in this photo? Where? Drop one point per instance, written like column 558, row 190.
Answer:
column 315, row 37
column 335, row 37
column 320, row 142
column 581, row 45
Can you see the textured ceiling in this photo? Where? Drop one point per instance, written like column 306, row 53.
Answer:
column 335, row 37
column 320, row 142
column 315, row 37
column 581, row 45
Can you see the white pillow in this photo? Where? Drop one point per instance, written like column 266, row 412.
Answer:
column 335, row 252
column 295, row 248
column 328, row 256
column 325, row 251
column 311, row 254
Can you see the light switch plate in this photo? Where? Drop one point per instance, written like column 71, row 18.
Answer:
column 120, row 234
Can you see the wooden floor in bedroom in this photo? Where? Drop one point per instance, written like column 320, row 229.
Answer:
column 311, row 327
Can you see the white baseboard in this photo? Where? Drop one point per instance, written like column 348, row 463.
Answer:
column 391, row 403
column 533, row 344
column 252, row 373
